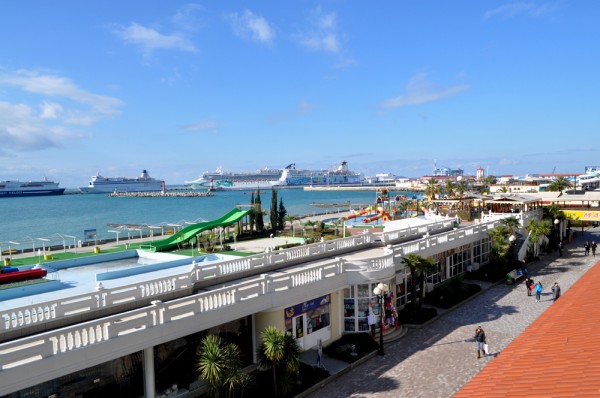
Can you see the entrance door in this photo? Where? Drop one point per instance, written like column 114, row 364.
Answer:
column 299, row 329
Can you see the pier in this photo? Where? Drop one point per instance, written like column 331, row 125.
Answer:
column 161, row 194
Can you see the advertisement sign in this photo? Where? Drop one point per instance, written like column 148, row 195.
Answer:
column 584, row 215
column 298, row 309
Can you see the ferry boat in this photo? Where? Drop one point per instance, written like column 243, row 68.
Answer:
column 30, row 188
column 288, row 177
column 144, row 183
column 591, row 179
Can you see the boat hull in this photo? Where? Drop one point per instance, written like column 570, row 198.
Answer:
column 16, row 193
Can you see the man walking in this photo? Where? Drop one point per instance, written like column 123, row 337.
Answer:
column 594, row 248
column 560, row 248
column 555, row 291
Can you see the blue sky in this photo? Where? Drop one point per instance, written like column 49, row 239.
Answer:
column 180, row 88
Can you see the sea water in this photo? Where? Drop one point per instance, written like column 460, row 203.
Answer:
column 25, row 219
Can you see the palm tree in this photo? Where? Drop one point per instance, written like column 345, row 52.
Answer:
column 538, row 234
column 512, row 223
column 419, row 268
column 279, row 352
column 559, row 185
column 337, row 223
column 461, row 188
column 500, row 245
column 432, row 188
column 503, row 189
column 449, row 188
column 489, row 180
column 219, row 365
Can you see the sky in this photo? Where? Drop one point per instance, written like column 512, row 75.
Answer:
column 180, row 88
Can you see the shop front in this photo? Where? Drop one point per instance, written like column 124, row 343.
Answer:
column 309, row 321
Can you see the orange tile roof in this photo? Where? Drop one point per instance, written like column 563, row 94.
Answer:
column 558, row 355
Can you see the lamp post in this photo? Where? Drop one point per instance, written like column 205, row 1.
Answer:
column 556, row 225
column 381, row 292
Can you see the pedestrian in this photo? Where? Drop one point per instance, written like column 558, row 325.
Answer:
column 480, row 341
column 560, row 248
column 594, row 248
column 371, row 321
column 319, row 353
column 586, row 246
column 538, row 291
column 555, row 291
column 528, row 284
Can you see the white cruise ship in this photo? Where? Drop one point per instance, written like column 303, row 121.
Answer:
column 144, row 183
column 31, row 188
column 266, row 178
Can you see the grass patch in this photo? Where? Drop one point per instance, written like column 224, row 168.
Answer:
column 30, row 282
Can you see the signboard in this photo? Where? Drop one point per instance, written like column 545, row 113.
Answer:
column 89, row 235
column 298, row 309
column 584, row 215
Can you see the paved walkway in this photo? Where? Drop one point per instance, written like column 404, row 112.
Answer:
column 439, row 359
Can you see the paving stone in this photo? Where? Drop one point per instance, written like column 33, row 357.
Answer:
column 439, row 359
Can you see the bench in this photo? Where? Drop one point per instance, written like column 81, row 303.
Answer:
column 513, row 275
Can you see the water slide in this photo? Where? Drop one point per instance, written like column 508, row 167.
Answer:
column 354, row 215
column 191, row 231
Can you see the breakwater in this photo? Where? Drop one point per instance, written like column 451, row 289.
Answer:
column 160, row 194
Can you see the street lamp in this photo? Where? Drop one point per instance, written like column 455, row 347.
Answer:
column 381, row 292
column 556, row 225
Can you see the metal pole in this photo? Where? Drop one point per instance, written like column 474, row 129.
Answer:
column 381, row 313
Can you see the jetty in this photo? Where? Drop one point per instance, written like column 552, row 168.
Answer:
column 161, row 194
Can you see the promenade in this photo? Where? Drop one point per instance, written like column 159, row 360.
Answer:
column 440, row 358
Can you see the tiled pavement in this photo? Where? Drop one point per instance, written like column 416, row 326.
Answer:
column 439, row 359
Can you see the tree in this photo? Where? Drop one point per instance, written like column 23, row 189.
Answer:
column 449, row 188
column 419, row 268
column 500, row 244
column 260, row 223
column 279, row 352
column 432, row 188
column 559, row 185
column 281, row 215
column 461, row 188
column 538, row 234
column 219, row 364
column 252, row 215
column 488, row 181
column 512, row 223
column 503, row 189
column 273, row 214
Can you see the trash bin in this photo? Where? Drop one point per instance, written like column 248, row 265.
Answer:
column 7, row 261
column 509, row 279
column 96, row 250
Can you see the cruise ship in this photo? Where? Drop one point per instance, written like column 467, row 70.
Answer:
column 144, row 183
column 288, row 177
column 31, row 188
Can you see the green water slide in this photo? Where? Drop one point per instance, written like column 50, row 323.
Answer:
column 191, row 231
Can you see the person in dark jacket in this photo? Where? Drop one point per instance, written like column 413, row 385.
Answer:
column 528, row 285
column 480, row 341
column 555, row 291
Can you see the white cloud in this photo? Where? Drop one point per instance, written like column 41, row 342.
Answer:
column 520, row 8
column 61, row 87
column 420, row 91
column 252, row 27
column 148, row 40
column 50, row 110
column 53, row 104
column 21, row 129
column 187, row 17
column 323, row 34
column 206, row 125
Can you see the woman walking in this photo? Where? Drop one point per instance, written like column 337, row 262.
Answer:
column 480, row 341
column 538, row 291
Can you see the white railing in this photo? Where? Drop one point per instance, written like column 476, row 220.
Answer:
column 35, row 314
column 17, row 355
column 418, row 231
